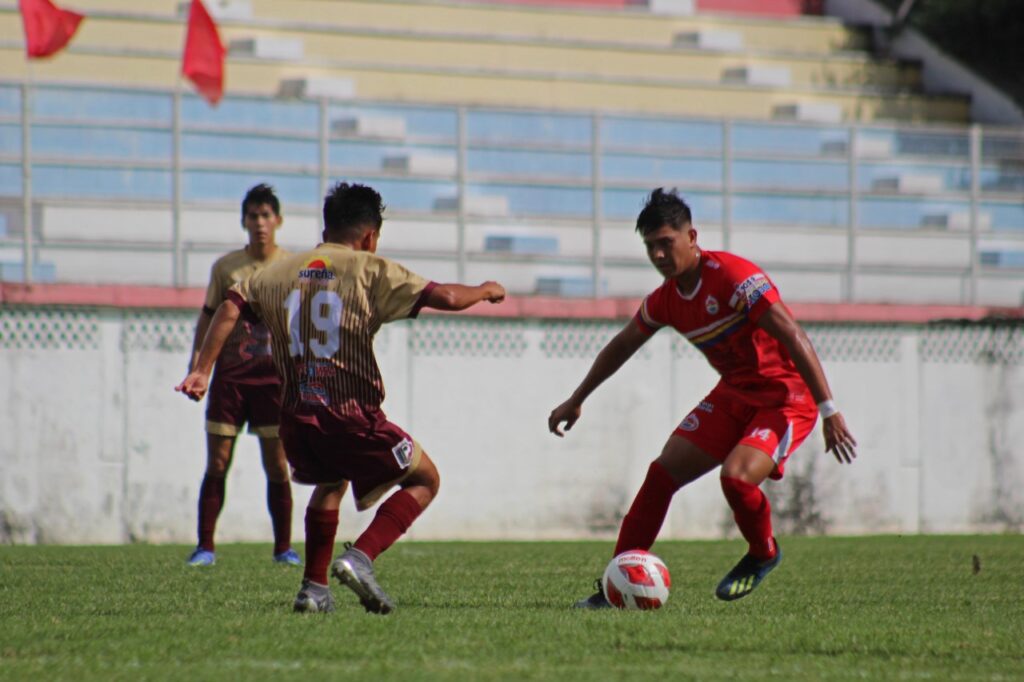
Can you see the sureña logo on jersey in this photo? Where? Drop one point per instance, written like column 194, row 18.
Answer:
column 318, row 268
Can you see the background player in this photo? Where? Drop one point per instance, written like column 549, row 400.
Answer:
column 246, row 387
column 323, row 308
column 771, row 389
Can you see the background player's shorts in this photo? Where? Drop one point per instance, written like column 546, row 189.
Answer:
column 374, row 458
column 721, row 421
column 231, row 404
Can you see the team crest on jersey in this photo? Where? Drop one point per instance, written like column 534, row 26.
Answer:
column 711, row 305
column 403, row 453
column 691, row 423
column 705, row 406
column 317, row 269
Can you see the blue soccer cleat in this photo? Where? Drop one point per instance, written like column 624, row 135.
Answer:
column 289, row 556
column 746, row 575
column 201, row 557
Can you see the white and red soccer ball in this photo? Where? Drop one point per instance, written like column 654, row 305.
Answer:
column 636, row 580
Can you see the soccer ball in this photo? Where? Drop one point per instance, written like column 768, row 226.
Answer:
column 636, row 580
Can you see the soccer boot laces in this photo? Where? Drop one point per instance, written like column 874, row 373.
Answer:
column 746, row 575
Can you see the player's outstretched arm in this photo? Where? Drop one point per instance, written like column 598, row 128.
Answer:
column 202, row 326
column 780, row 324
column 614, row 355
column 455, row 297
column 198, row 379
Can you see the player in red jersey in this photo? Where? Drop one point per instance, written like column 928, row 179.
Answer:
column 323, row 308
column 246, row 387
column 771, row 390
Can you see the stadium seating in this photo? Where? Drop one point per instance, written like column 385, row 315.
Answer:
column 781, row 132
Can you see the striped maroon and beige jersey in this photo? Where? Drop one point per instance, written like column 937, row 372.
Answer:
column 246, row 357
column 323, row 308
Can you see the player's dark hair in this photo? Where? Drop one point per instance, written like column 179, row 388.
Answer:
column 351, row 208
column 663, row 208
column 261, row 194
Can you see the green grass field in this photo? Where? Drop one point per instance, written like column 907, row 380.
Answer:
column 857, row 608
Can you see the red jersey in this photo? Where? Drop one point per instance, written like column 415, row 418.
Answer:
column 720, row 318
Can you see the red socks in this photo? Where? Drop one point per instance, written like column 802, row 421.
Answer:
column 211, row 499
column 279, row 502
column 753, row 514
column 643, row 521
column 321, row 527
column 392, row 520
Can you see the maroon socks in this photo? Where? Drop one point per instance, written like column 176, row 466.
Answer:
column 279, row 502
column 211, row 500
column 321, row 527
column 392, row 520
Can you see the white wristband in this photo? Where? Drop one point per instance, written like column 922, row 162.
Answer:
column 827, row 408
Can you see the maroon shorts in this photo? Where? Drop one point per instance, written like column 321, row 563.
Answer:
column 373, row 454
column 231, row 404
column 722, row 421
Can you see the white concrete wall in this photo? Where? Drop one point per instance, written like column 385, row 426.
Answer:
column 99, row 449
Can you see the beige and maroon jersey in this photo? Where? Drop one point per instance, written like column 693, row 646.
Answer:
column 323, row 308
column 246, row 357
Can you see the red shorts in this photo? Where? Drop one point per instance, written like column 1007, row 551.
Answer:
column 231, row 404
column 722, row 421
column 372, row 453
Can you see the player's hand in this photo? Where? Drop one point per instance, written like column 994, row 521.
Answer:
column 568, row 412
column 194, row 386
column 493, row 292
column 838, row 439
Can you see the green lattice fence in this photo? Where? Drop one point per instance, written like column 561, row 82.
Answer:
column 993, row 343
column 170, row 331
column 28, row 328
column 70, row 328
column 469, row 337
column 859, row 343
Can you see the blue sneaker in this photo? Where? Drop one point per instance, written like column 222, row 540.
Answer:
column 201, row 557
column 746, row 575
column 288, row 557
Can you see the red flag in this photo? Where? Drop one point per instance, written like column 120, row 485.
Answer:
column 203, row 62
column 48, row 28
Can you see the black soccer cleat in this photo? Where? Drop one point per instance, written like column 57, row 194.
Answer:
column 746, row 575
column 594, row 601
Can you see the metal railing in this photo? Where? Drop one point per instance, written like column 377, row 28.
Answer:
column 847, row 142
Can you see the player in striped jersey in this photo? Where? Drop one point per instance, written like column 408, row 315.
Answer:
column 323, row 308
column 245, row 387
column 771, row 390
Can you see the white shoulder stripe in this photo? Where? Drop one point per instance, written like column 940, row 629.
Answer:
column 717, row 323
